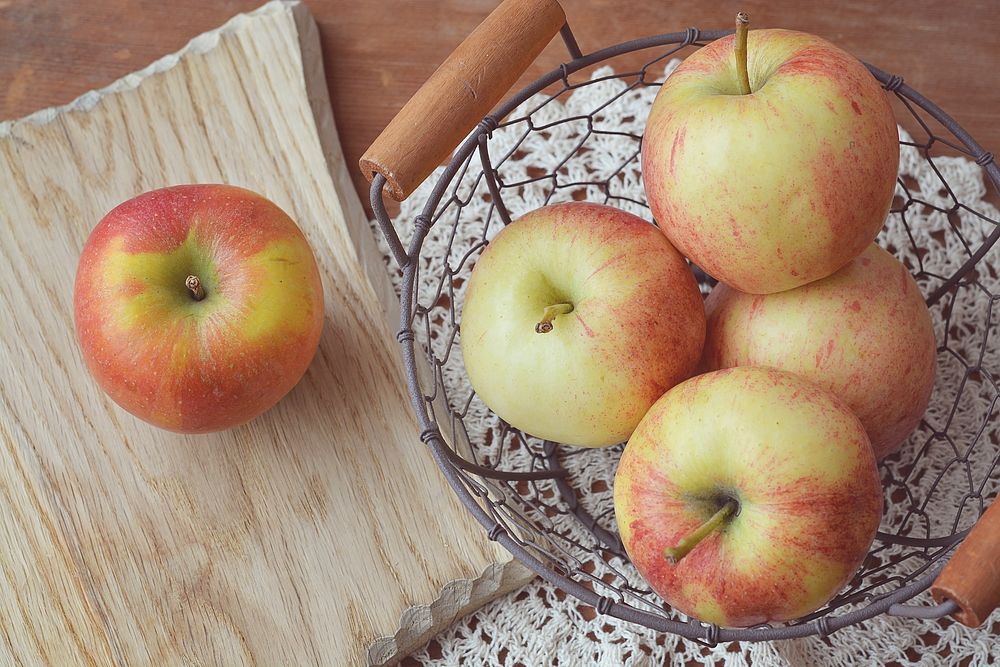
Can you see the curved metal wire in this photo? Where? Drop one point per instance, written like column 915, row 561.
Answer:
column 946, row 608
column 519, row 509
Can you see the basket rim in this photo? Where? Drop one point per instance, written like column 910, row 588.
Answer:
column 708, row 634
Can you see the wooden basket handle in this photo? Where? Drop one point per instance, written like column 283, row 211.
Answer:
column 971, row 579
column 460, row 92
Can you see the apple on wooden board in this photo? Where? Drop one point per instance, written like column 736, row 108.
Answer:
column 197, row 307
column 771, row 179
column 864, row 333
column 577, row 318
column 747, row 495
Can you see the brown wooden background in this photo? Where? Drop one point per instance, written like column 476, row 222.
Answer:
column 377, row 52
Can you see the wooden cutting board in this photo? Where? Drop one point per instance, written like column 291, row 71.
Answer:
column 320, row 533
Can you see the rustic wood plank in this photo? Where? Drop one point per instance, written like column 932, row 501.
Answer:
column 300, row 538
column 378, row 53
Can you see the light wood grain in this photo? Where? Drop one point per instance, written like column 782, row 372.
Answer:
column 299, row 538
column 378, row 53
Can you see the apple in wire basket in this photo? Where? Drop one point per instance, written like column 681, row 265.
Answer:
column 197, row 307
column 747, row 495
column 864, row 333
column 770, row 161
column 577, row 317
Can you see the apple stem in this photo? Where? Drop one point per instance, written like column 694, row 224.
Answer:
column 742, row 29
column 193, row 283
column 691, row 540
column 549, row 314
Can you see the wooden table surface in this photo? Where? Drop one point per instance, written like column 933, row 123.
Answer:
column 377, row 53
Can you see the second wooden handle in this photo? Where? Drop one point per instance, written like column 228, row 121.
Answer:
column 972, row 578
column 462, row 90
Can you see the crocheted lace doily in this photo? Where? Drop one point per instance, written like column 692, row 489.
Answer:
column 583, row 143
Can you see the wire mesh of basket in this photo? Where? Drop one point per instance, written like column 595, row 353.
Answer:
column 551, row 505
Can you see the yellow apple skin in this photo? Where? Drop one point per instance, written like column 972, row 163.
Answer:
column 774, row 189
column 802, row 470
column 864, row 334
column 187, row 365
column 637, row 326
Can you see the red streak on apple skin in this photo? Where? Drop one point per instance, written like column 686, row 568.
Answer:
column 678, row 145
column 610, row 262
column 704, row 66
column 825, row 523
column 863, row 160
column 160, row 221
column 832, row 541
column 590, row 332
column 823, row 353
column 132, row 288
column 765, row 593
column 221, row 391
column 223, row 378
column 823, row 61
column 667, row 306
column 735, row 229
column 887, row 383
column 870, row 175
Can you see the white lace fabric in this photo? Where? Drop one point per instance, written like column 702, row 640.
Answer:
column 933, row 487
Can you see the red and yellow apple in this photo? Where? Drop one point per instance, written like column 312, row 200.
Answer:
column 747, row 496
column 773, row 189
column 576, row 319
column 863, row 333
column 197, row 307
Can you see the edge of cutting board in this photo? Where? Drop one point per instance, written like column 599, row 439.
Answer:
column 458, row 597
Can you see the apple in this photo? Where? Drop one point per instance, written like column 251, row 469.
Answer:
column 746, row 496
column 784, row 185
column 197, row 307
column 577, row 318
column 864, row 334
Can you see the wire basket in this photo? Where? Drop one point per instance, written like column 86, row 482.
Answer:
column 551, row 505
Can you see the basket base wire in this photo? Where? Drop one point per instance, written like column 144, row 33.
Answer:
column 458, row 470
